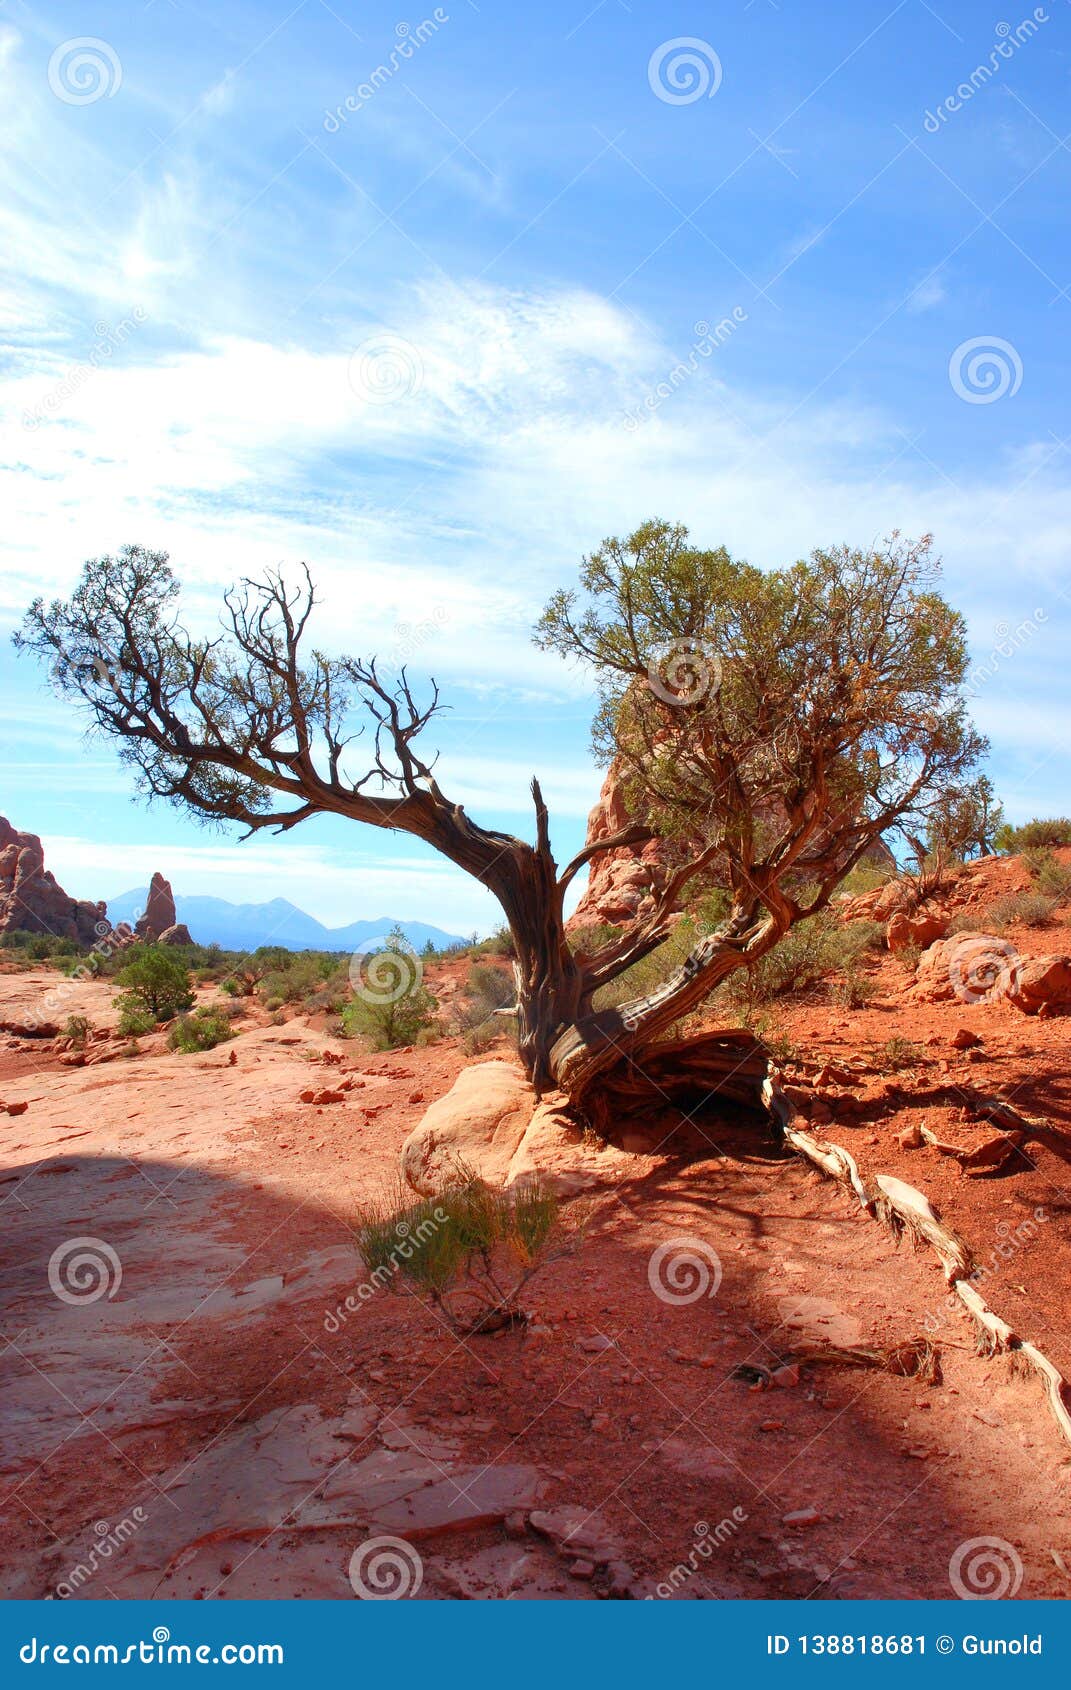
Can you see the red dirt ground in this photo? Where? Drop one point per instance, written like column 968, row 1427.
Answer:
column 215, row 1393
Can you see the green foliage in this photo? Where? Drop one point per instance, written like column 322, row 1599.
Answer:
column 133, row 1019
column 1055, row 831
column 864, row 877
column 585, row 941
column 894, row 1054
column 728, row 692
column 470, row 1249
column 38, row 947
column 156, row 981
column 78, row 1029
column 810, row 952
column 1048, row 873
column 391, row 1006
column 202, row 1030
column 965, row 820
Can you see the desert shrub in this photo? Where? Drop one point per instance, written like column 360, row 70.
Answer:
column 809, row 952
column 202, row 1030
column 297, row 978
column 470, row 1250
column 894, row 1054
column 852, row 990
column 1054, row 831
column 864, row 877
column 391, row 1005
column 1024, row 909
column 486, row 990
column 156, row 982
column 500, row 943
column 584, row 941
column 1048, row 873
column 78, row 1029
column 134, row 1020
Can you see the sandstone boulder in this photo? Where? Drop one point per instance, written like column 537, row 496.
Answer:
column 973, row 967
column 1041, row 985
column 919, row 927
column 177, row 934
column 554, row 1153
column 480, row 1121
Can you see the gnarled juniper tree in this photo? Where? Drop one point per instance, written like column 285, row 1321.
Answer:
column 770, row 727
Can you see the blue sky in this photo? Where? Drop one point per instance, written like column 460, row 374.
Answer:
column 431, row 299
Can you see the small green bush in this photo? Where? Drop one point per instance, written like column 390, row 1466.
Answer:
column 1054, row 831
column 894, row 1054
column 78, row 1029
column 391, row 1006
column 470, row 1250
column 202, row 1030
column 133, row 1019
column 1049, row 874
column 156, row 981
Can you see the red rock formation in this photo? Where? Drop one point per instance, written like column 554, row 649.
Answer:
column 619, row 881
column 159, row 913
column 31, row 901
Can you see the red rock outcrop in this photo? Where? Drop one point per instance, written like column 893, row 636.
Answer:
column 31, row 900
column 160, row 913
column 620, row 880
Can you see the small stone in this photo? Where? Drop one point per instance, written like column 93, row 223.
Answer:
column 595, row 1344
column 785, row 1378
column 515, row 1525
column 910, row 1138
column 581, row 1570
column 772, row 1426
column 964, row 1039
column 801, row 1517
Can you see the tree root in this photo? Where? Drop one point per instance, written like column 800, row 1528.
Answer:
column 904, row 1209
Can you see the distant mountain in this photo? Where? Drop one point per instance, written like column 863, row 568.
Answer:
column 242, row 927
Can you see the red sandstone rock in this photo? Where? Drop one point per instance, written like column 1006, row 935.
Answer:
column 31, row 901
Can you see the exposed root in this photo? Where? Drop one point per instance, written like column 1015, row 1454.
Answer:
column 905, row 1210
